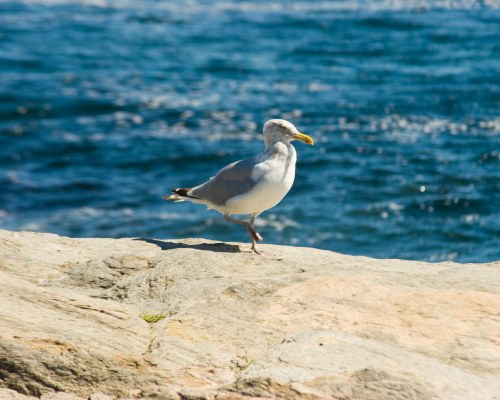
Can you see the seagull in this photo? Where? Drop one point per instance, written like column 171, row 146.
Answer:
column 253, row 185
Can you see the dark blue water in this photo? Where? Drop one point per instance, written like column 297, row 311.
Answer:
column 105, row 106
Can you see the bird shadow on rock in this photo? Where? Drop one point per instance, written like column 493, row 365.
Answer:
column 216, row 247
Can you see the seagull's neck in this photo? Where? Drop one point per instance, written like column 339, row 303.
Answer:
column 281, row 149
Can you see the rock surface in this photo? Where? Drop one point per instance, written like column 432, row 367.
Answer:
column 306, row 323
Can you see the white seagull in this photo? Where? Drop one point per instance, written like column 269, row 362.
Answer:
column 253, row 185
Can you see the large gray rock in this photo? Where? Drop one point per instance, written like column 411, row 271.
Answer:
column 306, row 323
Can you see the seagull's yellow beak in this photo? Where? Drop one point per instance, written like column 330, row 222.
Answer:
column 303, row 138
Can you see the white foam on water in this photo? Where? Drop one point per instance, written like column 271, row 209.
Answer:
column 199, row 6
column 408, row 129
column 277, row 223
column 443, row 256
column 470, row 218
column 167, row 216
column 32, row 226
column 493, row 125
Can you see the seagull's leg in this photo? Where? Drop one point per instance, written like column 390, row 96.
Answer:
column 246, row 224
column 254, row 235
column 252, row 221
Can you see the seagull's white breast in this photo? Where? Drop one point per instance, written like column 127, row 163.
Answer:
column 275, row 175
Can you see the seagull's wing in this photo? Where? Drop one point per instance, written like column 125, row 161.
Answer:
column 235, row 179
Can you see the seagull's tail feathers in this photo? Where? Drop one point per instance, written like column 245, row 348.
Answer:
column 181, row 194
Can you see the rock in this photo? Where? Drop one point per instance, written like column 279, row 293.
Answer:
column 8, row 394
column 224, row 323
column 60, row 396
column 100, row 396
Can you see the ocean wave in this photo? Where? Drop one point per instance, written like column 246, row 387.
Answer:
column 278, row 6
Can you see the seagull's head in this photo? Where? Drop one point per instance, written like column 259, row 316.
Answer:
column 279, row 130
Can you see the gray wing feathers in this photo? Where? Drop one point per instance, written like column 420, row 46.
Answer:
column 231, row 181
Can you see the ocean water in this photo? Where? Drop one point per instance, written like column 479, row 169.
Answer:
column 107, row 105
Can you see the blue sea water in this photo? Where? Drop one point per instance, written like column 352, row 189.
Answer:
column 107, row 105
